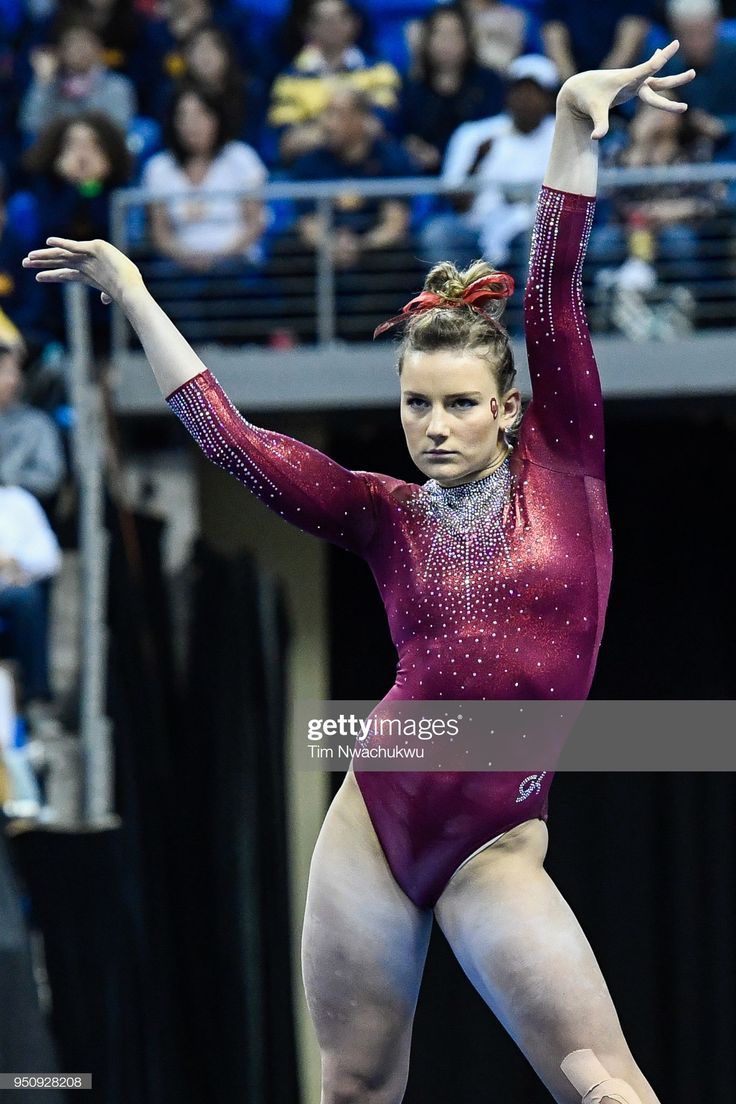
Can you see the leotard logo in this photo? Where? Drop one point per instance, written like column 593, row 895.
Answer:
column 531, row 784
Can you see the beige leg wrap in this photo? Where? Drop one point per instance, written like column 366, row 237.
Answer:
column 590, row 1078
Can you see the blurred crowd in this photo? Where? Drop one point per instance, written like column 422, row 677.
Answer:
column 191, row 98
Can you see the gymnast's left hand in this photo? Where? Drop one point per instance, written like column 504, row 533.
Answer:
column 96, row 263
column 590, row 95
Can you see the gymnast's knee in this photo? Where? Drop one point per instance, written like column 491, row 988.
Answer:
column 591, row 1079
column 342, row 1084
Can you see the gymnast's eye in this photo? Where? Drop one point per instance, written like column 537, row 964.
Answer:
column 468, row 403
column 415, row 403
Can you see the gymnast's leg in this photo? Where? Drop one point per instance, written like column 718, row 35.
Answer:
column 524, row 951
column 363, row 950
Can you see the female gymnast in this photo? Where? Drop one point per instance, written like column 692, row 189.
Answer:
column 495, row 575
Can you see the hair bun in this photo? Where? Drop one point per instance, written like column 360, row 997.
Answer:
column 451, row 282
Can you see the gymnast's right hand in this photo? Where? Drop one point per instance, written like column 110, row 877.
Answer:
column 97, row 263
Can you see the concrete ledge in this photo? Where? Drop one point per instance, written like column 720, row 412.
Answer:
column 344, row 376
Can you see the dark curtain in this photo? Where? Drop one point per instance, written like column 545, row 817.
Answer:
column 167, row 939
column 645, row 860
column 237, row 920
column 105, row 900
column 25, row 1043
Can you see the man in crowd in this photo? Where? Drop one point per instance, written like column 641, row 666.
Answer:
column 350, row 148
column 72, row 78
column 511, row 148
column 31, row 455
column 697, row 24
column 301, row 93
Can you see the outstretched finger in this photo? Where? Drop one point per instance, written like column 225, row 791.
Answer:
column 649, row 96
column 40, row 258
column 77, row 247
column 60, row 276
column 658, row 60
column 671, row 82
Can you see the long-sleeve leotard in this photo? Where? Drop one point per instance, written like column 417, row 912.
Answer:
column 495, row 589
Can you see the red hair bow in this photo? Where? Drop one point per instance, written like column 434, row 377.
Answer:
column 498, row 286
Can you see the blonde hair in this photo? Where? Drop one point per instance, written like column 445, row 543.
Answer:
column 462, row 328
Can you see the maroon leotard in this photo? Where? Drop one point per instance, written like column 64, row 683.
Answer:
column 495, row 589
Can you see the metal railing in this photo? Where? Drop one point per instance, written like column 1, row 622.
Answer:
column 650, row 281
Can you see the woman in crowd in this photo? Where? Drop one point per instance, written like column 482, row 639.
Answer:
column 211, row 63
column 447, row 87
column 75, row 165
column 191, row 225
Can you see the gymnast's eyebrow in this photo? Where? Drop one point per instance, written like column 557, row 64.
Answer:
column 456, row 395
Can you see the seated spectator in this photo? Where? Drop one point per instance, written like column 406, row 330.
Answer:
column 697, row 24
column 499, row 32
column 370, row 240
column 511, row 148
column 300, row 94
column 607, row 35
column 201, row 230
column 29, row 553
column 211, row 63
column 656, row 231
column 181, row 18
column 72, row 80
column 121, row 28
column 447, row 88
column 31, row 455
column 75, row 165
column 351, row 149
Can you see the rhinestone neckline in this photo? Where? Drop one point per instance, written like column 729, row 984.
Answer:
column 463, row 491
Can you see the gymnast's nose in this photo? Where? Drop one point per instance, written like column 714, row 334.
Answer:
column 437, row 428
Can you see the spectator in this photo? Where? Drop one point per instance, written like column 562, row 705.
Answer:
column 72, row 80
column 370, row 241
column 211, row 63
column 31, row 455
column 697, row 25
column 300, row 94
column 499, row 32
column 648, row 225
column 122, row 31
column 351, row 149
column 511, row 148
column 182, row 18
column 75, row 165
column 29, row 553
column 202, row 231
column 447, row 87
column 579, row 36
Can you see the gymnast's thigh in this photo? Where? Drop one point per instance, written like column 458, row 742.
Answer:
column 524, row 951
column 364, row 942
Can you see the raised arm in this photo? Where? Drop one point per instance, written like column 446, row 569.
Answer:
column 306, row 487
column 563, row 427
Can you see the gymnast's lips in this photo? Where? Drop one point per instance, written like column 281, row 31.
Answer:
column 439, row 452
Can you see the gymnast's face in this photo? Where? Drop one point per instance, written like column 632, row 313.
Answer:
column 447, row 414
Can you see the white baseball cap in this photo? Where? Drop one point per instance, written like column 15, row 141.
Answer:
column 535, row 67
